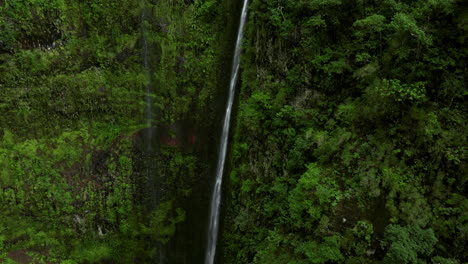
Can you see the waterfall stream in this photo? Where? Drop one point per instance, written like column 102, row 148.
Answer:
column 149, row 136
column 147, row 97
column 216, row 195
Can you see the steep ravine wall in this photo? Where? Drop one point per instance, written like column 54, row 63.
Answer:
column 182, row 165
column 73, row 126
column 189, row 242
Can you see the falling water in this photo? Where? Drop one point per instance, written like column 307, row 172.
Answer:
column 148, row 99
column 148, row 134
column 216, row 196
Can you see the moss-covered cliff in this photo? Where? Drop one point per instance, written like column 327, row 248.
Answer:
column 349, row 143
column 77, row 184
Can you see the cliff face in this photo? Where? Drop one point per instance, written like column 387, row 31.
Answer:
column 78, row 184
column 350, row 143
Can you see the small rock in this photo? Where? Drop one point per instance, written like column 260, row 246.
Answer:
column 100, row 231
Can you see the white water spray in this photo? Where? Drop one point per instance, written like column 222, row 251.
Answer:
column 216, row 196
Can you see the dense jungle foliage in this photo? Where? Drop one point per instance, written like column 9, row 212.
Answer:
column 351, row 136
column 349, row 142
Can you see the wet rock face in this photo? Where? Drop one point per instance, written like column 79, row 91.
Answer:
column 180, row 134
column 98, row 161
column 141, row 138
column 20, row 256
column 126, row 53
column 46, row 37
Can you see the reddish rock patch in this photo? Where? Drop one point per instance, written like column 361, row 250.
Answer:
column 20, row 256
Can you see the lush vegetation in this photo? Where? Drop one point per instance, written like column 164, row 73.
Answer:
column 72, row 79
column 350, row 138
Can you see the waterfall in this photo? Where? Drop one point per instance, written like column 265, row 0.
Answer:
column 216, row 196
column 148, row 135
column 147, row 97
